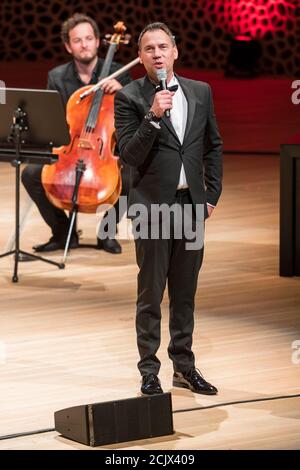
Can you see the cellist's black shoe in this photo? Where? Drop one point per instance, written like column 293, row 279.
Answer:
column 56, row 244
column 151, row 385
column 194, row 381
column 111, row 245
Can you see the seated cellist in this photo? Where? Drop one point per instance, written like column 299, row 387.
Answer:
column 80, row 36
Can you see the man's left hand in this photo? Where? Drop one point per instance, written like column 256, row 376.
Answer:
column 209, row 210
column 111, row 86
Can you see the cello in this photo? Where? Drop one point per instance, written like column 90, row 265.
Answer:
column 92, row 141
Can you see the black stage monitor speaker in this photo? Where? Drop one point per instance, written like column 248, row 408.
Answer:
column 117, row 421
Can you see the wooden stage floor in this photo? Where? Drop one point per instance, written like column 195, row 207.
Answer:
column 68, row 337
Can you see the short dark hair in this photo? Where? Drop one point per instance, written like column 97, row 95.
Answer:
column 155, row 27
column 73, row 21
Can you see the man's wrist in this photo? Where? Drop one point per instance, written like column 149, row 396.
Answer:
column 150, row 116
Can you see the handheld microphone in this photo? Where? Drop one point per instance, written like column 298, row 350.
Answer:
column 162, row 78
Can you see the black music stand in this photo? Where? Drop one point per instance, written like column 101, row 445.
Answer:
column 31, row 123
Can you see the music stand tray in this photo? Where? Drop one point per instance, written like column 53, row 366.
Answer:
column 32, row 122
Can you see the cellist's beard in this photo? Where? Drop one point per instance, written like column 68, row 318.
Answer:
column 86, row 60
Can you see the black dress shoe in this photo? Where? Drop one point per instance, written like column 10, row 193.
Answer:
column 111, row 245
column 194, row 381
column 151, row 385
column 56, row 244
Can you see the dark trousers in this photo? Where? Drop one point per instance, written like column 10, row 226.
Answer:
column 56, row 218
column 164, row 261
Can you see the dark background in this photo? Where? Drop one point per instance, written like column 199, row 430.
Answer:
column 30, row 30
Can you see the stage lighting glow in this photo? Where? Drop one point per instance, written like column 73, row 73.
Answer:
column 254, row 18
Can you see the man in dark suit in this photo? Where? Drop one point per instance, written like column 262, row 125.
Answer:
column 80, row 36
column 176, row 160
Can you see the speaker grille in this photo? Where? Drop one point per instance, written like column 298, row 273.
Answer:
column 131, row 419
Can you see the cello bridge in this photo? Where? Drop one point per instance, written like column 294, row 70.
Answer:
column 85, row 144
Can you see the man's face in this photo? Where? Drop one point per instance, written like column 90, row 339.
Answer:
column 83, row 44
column 157, row 52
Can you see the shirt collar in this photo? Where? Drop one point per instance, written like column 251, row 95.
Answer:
column 95, row 74
column 173, row 81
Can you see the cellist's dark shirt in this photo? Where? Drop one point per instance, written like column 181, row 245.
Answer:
column 65, row 78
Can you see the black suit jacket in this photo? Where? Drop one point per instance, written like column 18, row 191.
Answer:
column 155, row 155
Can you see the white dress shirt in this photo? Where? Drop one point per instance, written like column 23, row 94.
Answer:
column 178, row 115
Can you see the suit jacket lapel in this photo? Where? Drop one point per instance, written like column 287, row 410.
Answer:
column 191, row 105
column 148, row 90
